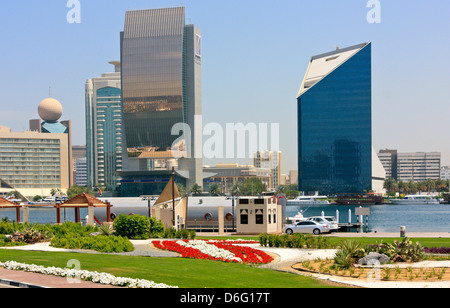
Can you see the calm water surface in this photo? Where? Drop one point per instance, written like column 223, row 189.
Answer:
column 383, row 218
column 388, row 218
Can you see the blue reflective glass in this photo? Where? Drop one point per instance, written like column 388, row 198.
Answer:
column 335, row 130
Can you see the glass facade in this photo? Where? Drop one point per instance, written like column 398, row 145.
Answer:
column 152, row 78
column 335, row 128
column 104, row 129
column 147, row 183
column 109, row 135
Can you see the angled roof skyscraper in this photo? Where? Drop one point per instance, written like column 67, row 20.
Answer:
column 335, row 122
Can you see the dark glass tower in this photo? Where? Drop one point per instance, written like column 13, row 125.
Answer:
column 335, row 122
column 161, row 89
column 152, row 77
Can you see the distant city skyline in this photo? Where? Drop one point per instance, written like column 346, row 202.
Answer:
column 251, row 58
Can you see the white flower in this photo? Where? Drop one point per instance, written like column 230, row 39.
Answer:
column 210, row 249
column 102, row 278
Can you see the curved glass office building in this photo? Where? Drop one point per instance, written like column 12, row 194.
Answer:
column 335, row 122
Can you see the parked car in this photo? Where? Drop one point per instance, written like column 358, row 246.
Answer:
column 329, row 220
column 307, row 226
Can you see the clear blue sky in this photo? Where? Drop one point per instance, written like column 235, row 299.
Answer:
column 255, row 54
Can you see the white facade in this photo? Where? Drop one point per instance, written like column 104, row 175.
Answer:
column 81, row 172
column 35, row 163
column 418, row 167
column 445, row 173
column 269, row 160
column 378, row 174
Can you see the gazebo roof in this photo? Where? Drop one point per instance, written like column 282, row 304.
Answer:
column 84, row 200
column 4, row 204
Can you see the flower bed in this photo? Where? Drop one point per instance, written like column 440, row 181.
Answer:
column 102, row 278
column 436, row 250
column 225, row 251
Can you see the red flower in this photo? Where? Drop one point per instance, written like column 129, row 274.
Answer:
column 246, row 254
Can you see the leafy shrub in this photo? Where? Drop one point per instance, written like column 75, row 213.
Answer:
column 181, row 234
column 404, row 251
column 7, row 227
column 69, row 228
column 295, row 240
column 348, row 253
column 101, row 243
column 343, row 259
column 262, row 239
column 137, row 226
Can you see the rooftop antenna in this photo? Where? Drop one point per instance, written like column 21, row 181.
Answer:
column 49, row 91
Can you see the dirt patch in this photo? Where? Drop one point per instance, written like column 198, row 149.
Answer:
column 399, row 273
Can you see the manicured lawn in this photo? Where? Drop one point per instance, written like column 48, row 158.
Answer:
column 426, row 242
column 184, row 273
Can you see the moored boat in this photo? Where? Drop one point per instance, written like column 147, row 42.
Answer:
column 308, row 200
column 415, row 199
column 359, row 199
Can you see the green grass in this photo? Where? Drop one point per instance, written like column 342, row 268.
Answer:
column 184, row 273
column 426, row 242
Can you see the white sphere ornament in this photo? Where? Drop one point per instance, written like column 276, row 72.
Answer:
column 50, row 110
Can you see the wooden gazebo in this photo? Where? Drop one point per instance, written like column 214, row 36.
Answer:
column 84, row 201
column 6, row 204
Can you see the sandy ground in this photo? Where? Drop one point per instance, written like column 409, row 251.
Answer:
column 287, row 257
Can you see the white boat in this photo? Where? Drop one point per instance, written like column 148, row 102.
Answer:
column 308, row 200
column 12, row 199
column 49, row 199
column 297, row 218
column 415, row 199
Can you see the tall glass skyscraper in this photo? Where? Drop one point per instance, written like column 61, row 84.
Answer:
column 104, row 129
column 335, row 122
column 161, row 87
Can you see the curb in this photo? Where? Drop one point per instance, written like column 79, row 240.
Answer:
column 21, row 285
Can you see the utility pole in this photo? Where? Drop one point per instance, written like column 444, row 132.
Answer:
column 173, row 195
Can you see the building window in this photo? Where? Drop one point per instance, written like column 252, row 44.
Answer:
column 259, row 201
column 259, row 217
column 244, row 217
column 243, row 201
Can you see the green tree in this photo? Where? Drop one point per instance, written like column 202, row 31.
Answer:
column 390, row 185
column 214, row 189
column 76, row 190
column 196, row 189
column 254, row 187
column 412, row 187
column 181, row 189
column 237, row 188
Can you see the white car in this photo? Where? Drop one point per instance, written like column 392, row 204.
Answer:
column 329, row 220
column 307, row 226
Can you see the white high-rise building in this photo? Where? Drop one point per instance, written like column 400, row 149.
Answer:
column 104, row 128
column 445, row 173
column 81, row 172
column 417, row 167
column 269, row 160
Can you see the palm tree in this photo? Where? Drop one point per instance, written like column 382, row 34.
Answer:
column 390, row 185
